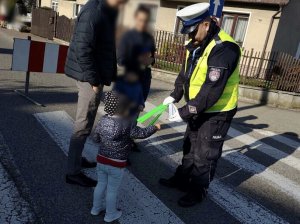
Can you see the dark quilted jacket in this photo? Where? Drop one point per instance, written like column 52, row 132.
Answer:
column 115, row 136
column 92, row 55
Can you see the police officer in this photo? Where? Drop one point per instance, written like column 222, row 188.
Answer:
column 209, row 82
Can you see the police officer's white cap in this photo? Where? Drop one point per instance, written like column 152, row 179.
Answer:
column 193, row 15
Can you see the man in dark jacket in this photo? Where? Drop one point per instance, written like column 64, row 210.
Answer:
column 92, row 62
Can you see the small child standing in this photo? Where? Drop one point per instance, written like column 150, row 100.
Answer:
column 114, row 132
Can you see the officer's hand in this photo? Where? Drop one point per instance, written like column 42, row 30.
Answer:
column 175, row 117
column 168, row 100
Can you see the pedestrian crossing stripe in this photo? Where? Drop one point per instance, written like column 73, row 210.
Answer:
column 139, row 203
column 246, row 139
column 247, row 211
column 279, row 138
column 253, row 143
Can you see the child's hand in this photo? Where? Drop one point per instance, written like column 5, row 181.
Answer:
column 158, row 126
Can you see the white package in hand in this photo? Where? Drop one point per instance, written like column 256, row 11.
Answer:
column 172, row 110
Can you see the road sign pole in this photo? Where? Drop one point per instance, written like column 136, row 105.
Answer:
column 26, row 92
column 27, row 83
column 27, row 76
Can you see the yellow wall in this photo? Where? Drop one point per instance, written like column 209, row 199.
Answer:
column 259, row 21
column 166, row 18
column 130, row 8
column 46, row 3
column 65, row 8
column 81, row 2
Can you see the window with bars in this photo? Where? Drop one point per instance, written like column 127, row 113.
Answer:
column 54, row 5
column 236, row 25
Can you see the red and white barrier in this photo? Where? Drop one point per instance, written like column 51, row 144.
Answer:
column 34, row 56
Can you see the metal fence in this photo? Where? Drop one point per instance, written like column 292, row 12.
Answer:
column 170, row 50
column 271, row 70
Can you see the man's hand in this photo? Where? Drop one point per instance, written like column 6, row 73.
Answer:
column 97, row 89
column 168, row 100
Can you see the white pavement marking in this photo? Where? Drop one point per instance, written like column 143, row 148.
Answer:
column 278, row 137
column 246, row 139
column 278, row 181
column 140, row 205
column 13, row 208
column 264, row 148
column 239, row 206
column 243, row 208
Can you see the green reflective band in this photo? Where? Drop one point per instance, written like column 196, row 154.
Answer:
column 157, row 111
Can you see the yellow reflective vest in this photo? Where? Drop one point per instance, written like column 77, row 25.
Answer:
column 229, row 98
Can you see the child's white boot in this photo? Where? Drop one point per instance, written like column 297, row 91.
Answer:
column 112, row 217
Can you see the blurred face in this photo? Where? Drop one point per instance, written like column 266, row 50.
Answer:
column 141, row 21
column 201, row 33
column 116, row 3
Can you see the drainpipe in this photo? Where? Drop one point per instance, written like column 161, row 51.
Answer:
column 267, row 39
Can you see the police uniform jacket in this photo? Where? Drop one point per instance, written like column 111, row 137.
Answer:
column 222, row 61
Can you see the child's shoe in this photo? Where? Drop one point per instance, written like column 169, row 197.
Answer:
column 96, row 211
column 112, row 217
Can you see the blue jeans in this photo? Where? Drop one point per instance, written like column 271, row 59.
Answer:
column 109, row 179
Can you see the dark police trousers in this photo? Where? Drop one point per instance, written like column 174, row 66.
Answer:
column 202, row 147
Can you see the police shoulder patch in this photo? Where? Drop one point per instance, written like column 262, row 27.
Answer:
column 192, row 109
column 214, row 74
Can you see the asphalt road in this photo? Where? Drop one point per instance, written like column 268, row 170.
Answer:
column 257, row 181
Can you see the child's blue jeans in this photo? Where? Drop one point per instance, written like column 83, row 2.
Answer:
column 109, row 179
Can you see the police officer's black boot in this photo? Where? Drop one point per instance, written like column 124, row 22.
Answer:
column 170, row 183
column 181, row 180
column 173, row 182
column 192, row 198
